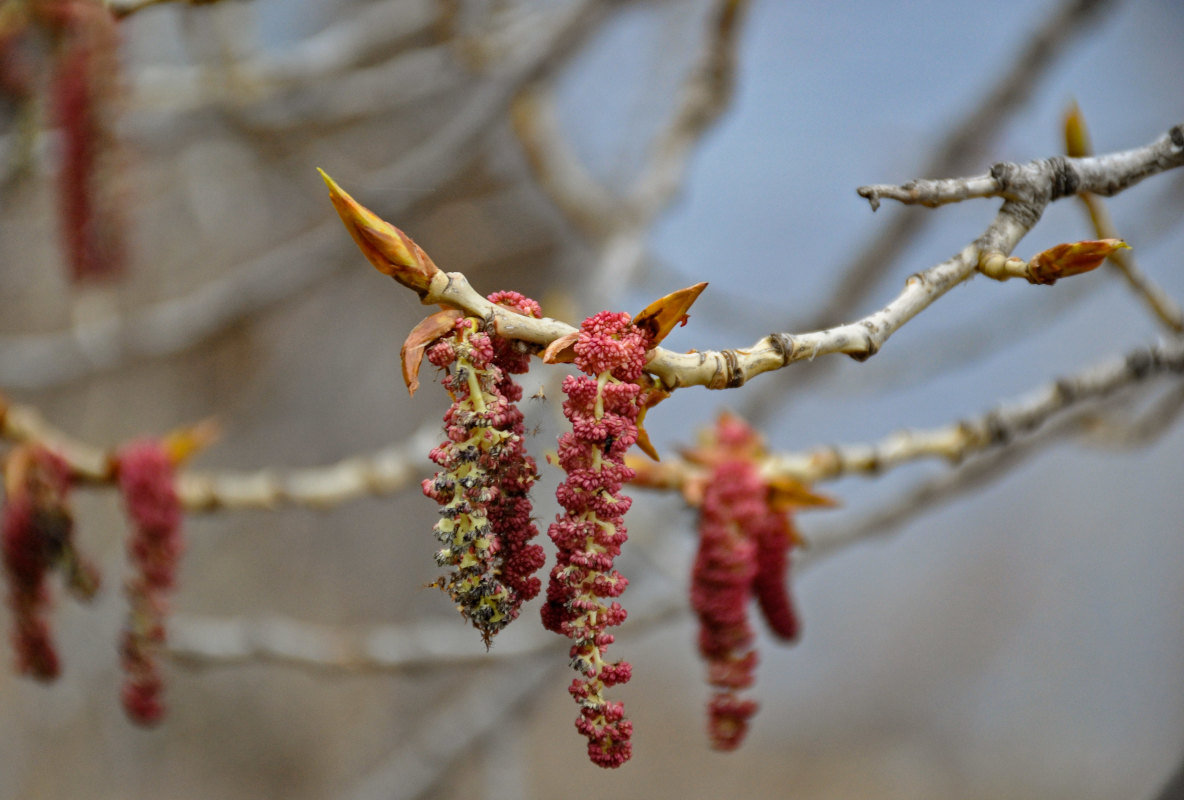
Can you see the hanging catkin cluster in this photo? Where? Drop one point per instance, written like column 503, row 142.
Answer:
column 38, row 538
column 744, row 544
column 485, row 476
column 148, row 483
column 602, row 406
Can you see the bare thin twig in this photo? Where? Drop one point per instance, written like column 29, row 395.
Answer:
column 1158, row 302
column 204, row 641
column 1008, row 421
column 1043, row 180
column 618, row 222
column 928, row 495
column 383, row 472
column 968, row 137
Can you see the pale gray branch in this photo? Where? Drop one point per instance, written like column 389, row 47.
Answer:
column 205, row 641
column 383, row 472
column 1044, row 180
column 1008, row 421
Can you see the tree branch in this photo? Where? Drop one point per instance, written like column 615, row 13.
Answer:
column 1008, row 421
column 1044, row 180
column 1158, row 302
column 202, row 641
column 1027, row 188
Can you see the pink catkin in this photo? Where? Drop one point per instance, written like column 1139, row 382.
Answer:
column 721, row 586
column 775, row 538
column 510, row 512
column 743, row 551
column 485, row 475
column 37, row 536
column 580, row 603
column 83, row 90
column 148, row 484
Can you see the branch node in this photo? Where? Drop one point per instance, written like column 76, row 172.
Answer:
column 735, row 375
column 870, row 347
column 783, row 344
column 997, row 430
column 1139, row 364
column 1065, row 179
column 1002, row 173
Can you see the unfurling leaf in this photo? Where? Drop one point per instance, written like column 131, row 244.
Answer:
column 655, row 394
column 660, row 316
column 391, row 251
column 562, row 350
column 422, row 335
column 788, row 494
column 1074, row 258
column 184, row 443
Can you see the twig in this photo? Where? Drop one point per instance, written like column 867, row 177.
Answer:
column 703, row 97
column 1044, row 180
column 928, row 495
column 1008, row 421
column 980, row 470
column 24, row 423
column 203, row 641
column 1142, row 429
column 1158, row 302
column 583, row 200
column 732, row 368
column 618, row 222
column 384, row 472
column 962, row 342
column 952, row 155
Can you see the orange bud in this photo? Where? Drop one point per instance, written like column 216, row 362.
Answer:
column 184, row 443
column 1074, row 258
column 1077, row 142
column 660, row 316
column 391, row 251
column 787, row 494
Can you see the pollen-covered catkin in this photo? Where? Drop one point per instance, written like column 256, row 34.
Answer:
column 602, row 406
column 485, row 476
